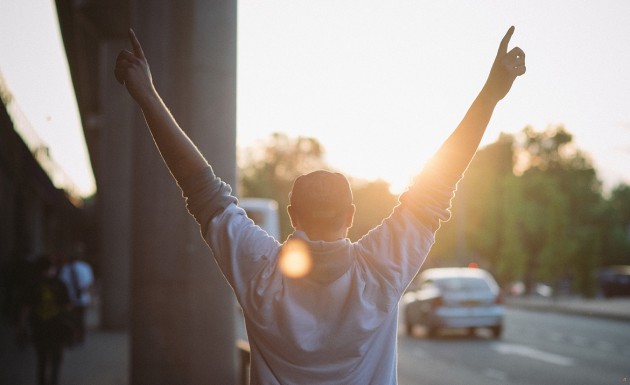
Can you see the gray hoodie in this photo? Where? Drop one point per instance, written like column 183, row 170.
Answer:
column 338, row 323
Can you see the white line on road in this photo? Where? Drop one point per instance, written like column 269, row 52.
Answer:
column 579, row 341
column 496, row 374
column 526, row 351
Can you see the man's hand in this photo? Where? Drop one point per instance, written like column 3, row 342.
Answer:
column 132, row 70
column 506, row 67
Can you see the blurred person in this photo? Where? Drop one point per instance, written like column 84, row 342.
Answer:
column 44, row 317
column 78, row 278
column 335, row 321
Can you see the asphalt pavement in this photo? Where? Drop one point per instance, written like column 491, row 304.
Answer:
column 104, row 357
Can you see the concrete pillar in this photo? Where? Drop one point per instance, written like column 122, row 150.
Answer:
column 182, row 327
column 114, row 178
column 34, row 220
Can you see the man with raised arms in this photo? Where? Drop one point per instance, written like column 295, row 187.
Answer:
column 336, row 322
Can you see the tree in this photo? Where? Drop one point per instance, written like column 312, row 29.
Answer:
column 616, row 223
column 268, row 169
column 480, row 210
column 543, row 222
column 550, row 161
column 481, row 195
column 374, row 202
column 529, row 208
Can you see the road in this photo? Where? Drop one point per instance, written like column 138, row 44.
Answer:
column 536, row 349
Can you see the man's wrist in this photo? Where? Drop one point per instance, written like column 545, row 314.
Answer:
column 149, row 100
column 487, row 99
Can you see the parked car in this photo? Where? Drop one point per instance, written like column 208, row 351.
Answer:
column 614, row 280
column 517, row 289
column 454, row 298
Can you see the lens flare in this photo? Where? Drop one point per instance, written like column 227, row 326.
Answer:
column 295, row 260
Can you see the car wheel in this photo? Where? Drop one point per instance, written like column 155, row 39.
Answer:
column 497, row 331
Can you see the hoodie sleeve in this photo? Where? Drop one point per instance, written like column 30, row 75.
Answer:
column 393, row 252
column 240, row 248
column 429, row 196
column 206, row 196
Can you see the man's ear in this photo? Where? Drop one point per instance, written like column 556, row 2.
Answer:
column 350, row 215
column 293, row 217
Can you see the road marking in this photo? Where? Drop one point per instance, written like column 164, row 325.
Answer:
column 579, row 341
column 496, row 374
column 526, row 351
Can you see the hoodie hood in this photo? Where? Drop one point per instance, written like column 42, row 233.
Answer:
column 330, row 260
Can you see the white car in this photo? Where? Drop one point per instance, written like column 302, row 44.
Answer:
column 454, row 298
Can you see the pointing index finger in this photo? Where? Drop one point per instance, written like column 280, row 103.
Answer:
column 135, row 44
column 505, row 41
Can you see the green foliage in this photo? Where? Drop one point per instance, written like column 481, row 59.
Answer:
column 268, row 169
column 573, row 248
column 478, row 231
column 530, row 207
column 620, row 201
column 615, row 227
column 374, row 202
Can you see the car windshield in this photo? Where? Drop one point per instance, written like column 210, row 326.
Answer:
column 455, row 284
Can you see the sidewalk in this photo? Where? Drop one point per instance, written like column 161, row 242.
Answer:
column 102, row 360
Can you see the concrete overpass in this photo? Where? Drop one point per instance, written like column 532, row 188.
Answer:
column 36, row 217
column 158, row 278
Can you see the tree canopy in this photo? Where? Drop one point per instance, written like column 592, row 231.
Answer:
column 530, row 207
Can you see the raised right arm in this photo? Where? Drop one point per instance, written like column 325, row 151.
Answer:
column 437, row 181
column 458, row 150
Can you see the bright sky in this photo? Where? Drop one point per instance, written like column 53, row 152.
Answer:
column 379, row 83
column 33, row 64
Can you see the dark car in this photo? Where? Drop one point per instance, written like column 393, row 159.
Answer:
column 454, row 298
column 614, row 280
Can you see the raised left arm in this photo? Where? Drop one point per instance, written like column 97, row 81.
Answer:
column 179, row 153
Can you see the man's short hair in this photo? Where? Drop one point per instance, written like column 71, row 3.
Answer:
column 321, row 198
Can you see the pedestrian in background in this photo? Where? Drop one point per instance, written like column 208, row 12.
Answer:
column 78, row 277
column 44, row 318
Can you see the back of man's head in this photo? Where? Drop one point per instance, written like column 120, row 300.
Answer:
column 321, row 200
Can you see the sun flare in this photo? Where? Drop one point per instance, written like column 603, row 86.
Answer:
column 295, row 260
